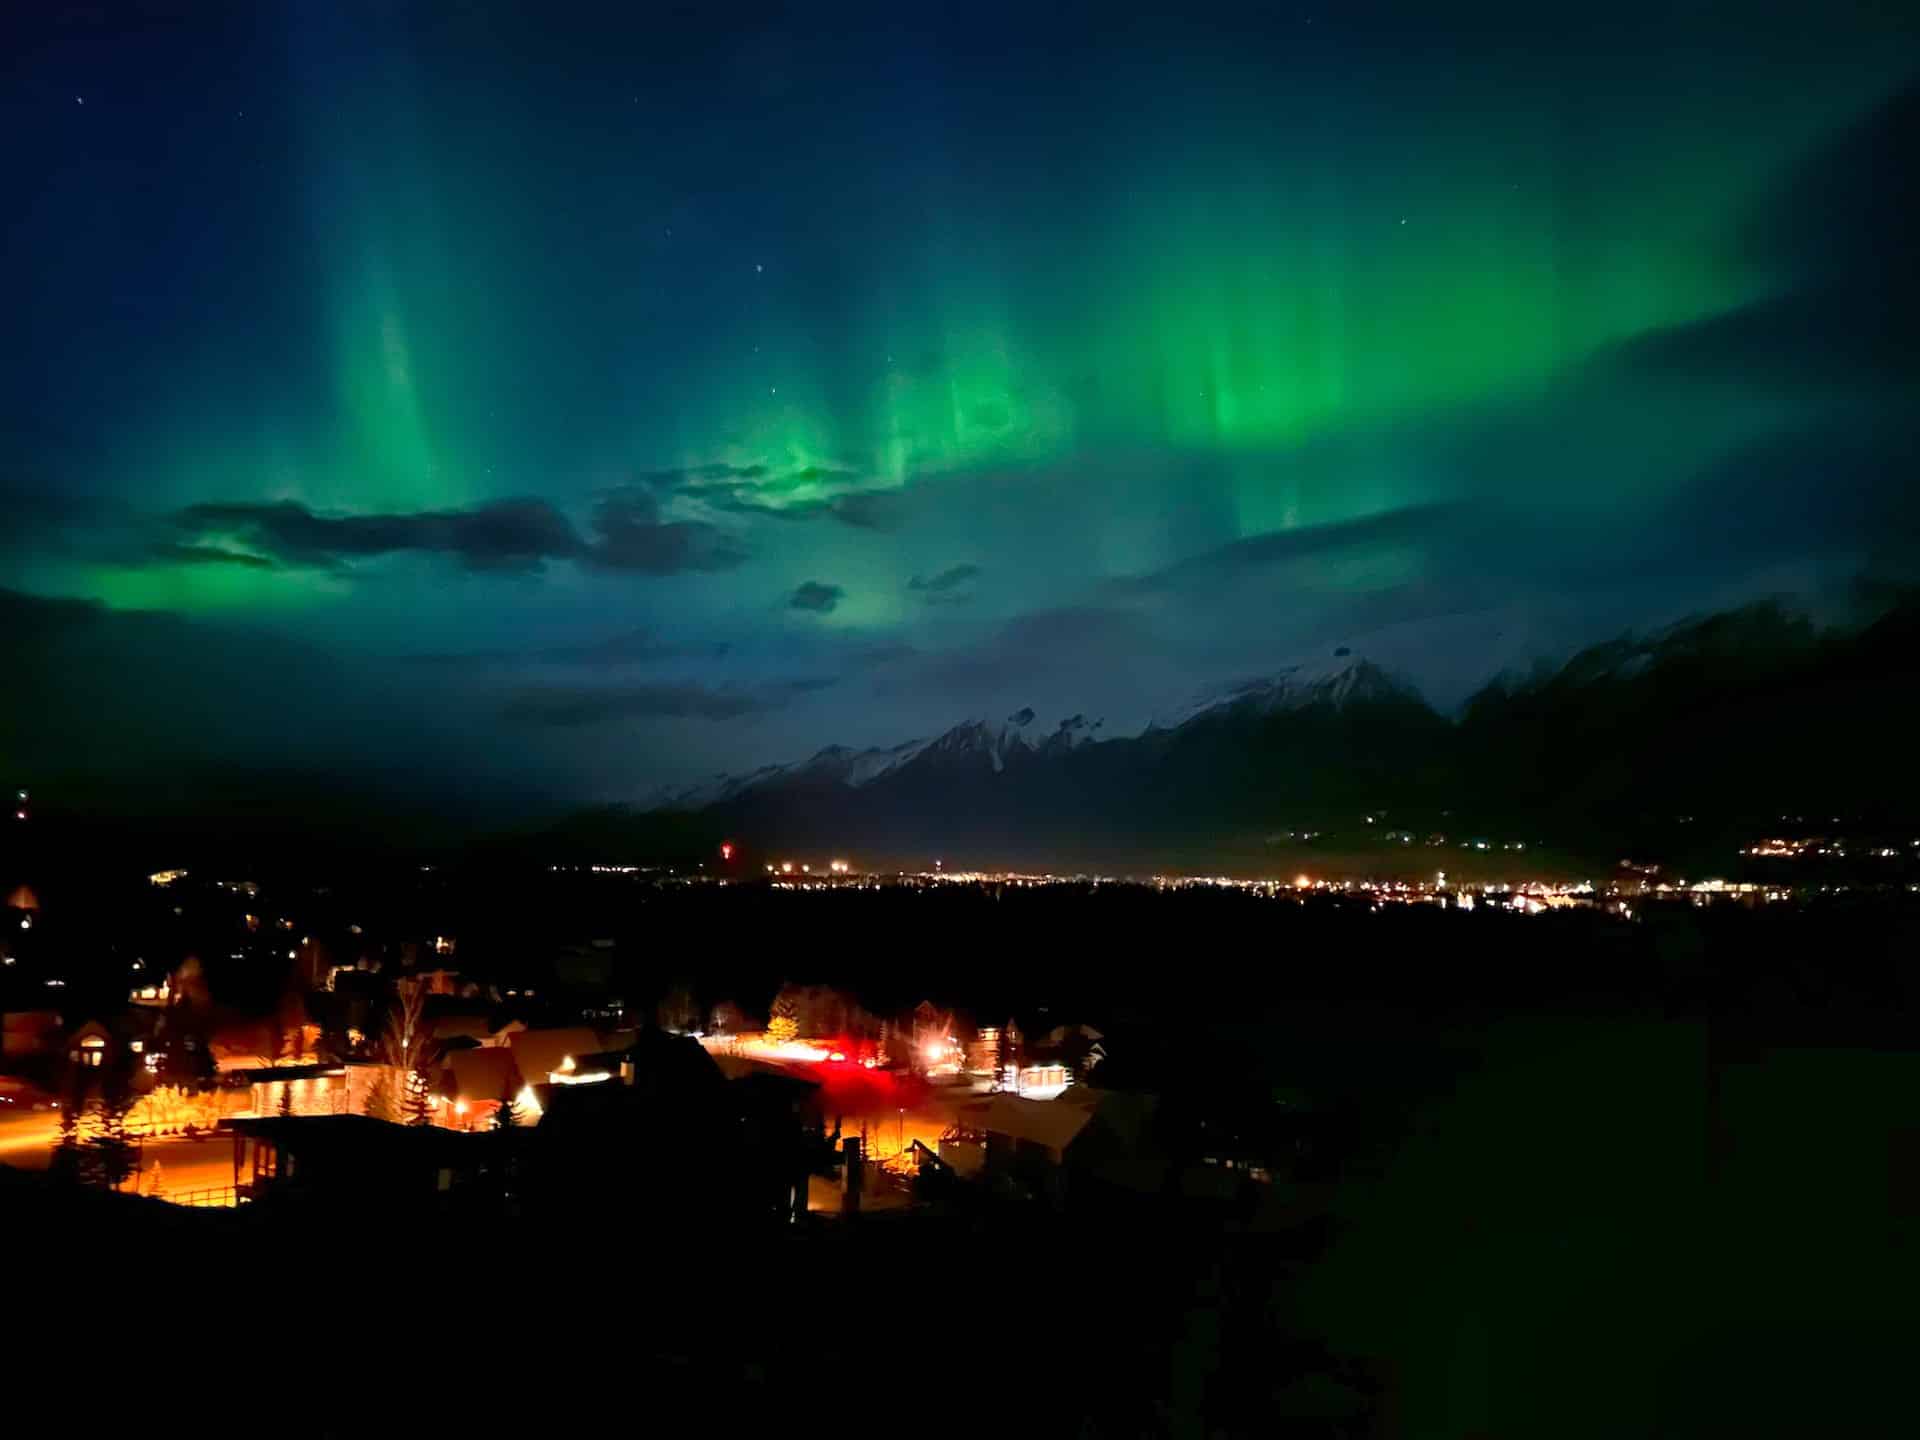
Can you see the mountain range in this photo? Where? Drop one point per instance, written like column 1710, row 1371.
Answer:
column 1735, row 717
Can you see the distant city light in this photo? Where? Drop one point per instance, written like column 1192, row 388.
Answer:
column 726, row 850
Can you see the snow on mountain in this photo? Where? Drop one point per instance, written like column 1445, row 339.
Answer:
column 977, row 745
column 966, row 744
column 699, row 794
column 1339, row 682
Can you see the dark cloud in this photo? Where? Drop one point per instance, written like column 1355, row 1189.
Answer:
column 630, row 535
column 573, row 706
column 1838, row 235
column 1833, row 336
column 1277, row 547
column 505, row 535
column 1817, row 489
column 945, row 581
column 863, row 510
column 633, row 647
column 1021, row 717
column 816, row 596
column 874, row 656
column 807, row 684
column 757, row 490
column 870, row 510
column 694, row 476
column 178, row 554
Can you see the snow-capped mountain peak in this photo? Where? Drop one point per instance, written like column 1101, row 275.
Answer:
column 1339, row 682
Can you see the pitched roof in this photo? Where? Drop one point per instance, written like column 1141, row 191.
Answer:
column 1044, row 1122
column 470, row 1024
column 539, row 1053
column 482, row 1074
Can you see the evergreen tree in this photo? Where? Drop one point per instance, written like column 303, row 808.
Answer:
column 419, row 1098
column 381, row 1103
column 784, row 1024
column 108, row 1155
column 507, row 1116
column 66, row 1149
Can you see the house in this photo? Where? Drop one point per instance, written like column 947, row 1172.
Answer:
column 99, row 1044
column 667, row 1146
column 1079, row 1047
column 351, row 1158
column 473, row 1082
column 1087, row 1143
column 473, row 1025
column 540, row 1054
column 299, row 1090
column 92, row 1046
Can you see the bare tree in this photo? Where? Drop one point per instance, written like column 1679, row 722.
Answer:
column 403, row 1051
column 405, row 1043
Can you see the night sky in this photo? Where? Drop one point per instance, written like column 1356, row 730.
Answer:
column 567, row 400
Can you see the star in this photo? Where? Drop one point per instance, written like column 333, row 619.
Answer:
column 79, row 100
column 759, row 269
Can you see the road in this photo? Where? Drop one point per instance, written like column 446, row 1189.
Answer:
column 27, row 1136
column 26, row 1143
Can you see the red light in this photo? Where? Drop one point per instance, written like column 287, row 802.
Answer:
column 726, row 850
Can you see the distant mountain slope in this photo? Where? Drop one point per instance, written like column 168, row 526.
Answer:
column 1750, row 713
